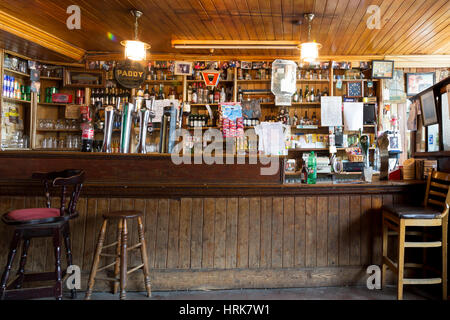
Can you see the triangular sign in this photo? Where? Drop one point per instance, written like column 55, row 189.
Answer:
column 211, row 78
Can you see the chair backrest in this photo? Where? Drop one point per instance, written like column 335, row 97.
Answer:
column 71, row 179
column 438, row 191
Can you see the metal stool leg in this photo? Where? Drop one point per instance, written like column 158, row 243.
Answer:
column 145, row 269
column 11, row 255
column 58, row 270
column 96, row 261
column 66, row 235
column 123, row 261
column 23, row 260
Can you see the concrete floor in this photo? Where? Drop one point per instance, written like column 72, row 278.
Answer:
column 328, row 293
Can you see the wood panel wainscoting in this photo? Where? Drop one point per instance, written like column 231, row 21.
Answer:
column 233, row 242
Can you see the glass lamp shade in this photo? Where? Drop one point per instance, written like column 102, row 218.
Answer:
column 135, row 50
column 310, row 51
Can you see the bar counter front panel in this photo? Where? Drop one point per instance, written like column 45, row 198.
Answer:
column 219, row 235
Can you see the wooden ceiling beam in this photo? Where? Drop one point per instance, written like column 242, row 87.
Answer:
column 26, row 31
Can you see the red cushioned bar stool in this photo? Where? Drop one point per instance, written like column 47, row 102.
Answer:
column 38, row 223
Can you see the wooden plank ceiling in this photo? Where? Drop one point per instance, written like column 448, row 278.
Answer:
column 407, row 27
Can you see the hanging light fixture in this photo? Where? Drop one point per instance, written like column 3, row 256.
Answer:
column 134, row 49
column 310, row 50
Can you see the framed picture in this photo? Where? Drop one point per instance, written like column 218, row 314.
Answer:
column 418, row 82
column 354, row 89
column 257, row 65
column 382, row 69
column 183, row 68
column 78, row 78
column 246, row 65
column 428, row 108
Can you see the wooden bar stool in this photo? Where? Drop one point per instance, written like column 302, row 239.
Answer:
column 42, row 222
column 434, row 213
column 120, row 263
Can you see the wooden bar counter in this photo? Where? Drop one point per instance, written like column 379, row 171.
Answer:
column 212, row 226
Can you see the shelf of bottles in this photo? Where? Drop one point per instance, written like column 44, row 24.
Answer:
column 16, row 103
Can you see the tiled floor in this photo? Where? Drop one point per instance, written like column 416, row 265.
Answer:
column 329, row 293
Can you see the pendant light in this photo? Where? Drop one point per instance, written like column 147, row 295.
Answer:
column 310, row 50
column 134, row 49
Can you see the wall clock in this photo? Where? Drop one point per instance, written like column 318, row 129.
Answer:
column 354, row 89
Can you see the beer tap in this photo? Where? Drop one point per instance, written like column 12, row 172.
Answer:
column 110, row 113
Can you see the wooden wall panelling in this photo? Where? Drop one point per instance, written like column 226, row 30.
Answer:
column 366, row 230
column 209, row 212
column 333, row 231
column 196, row 233
column 377, row 202
column 288, row 232
column 344, row 241
column 300, row 232
column 184, row 260
column 220, row 233
column 355, row 230
column 254, row 237
column 162, row 234
column 231, row 233
column 266, row 233
column 322, row 231
column 277, row 232
column 151, row 226
column 174, row 234
column 243, row 233
column 311, row 232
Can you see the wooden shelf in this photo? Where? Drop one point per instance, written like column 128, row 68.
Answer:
column 18, row 73
column 162, row 81
column 16, row 100
column 363, row 80
column 196, row 81
column 308, row 149
column 313, row 80
column 58, row 130
column 55, row 104
column 295, row 103
column 255, row 80
column 51, row 78
column 55, row 149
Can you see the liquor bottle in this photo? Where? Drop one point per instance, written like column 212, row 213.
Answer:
column 189, row 94
column 194, row 95
column 102, row 97
column 300, row 95
column 306, row 94
column 311, row 95
column 295, row 97
column 211, row 96
column 146, row 93
column 93, row 97
column 318, row 95
column 304, row 174
column 305, row 119
column 217, row 96
column 87, row 135
column 240, row 95
column 314, row 118
column 153, row 93
column 223, row 95
column 325, row 92
column 161, row 92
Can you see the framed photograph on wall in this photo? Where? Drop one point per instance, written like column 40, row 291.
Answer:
column 428, row 108
column 246, row 65
column 183, row 68
column 382, row 69
column 418, row 82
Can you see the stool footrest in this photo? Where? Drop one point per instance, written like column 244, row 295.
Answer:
column 429, row 244
column 107, row 279
column 110, row 245
column 108, row 255
column 137, row 245
column 135, row 268
column 422, row 281
column 106, row 267
column 29, row 293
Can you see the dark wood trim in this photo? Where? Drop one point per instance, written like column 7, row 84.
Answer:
column 128, row 189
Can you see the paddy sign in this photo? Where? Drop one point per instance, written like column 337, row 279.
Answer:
column 130, row 74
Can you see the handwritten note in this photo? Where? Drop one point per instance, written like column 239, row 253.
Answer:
column 331, row 111
column 159, row 108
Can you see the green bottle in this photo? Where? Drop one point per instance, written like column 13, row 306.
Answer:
column 312, row 168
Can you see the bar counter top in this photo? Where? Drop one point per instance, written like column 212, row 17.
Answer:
column 155, row 175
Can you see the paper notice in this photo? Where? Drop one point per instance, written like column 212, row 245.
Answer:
column 159, row 108
column 353, row 116
column 331, row 111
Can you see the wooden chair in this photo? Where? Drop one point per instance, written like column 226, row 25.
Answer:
column 121, row 271
column 434, row 213
column 42, row 222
